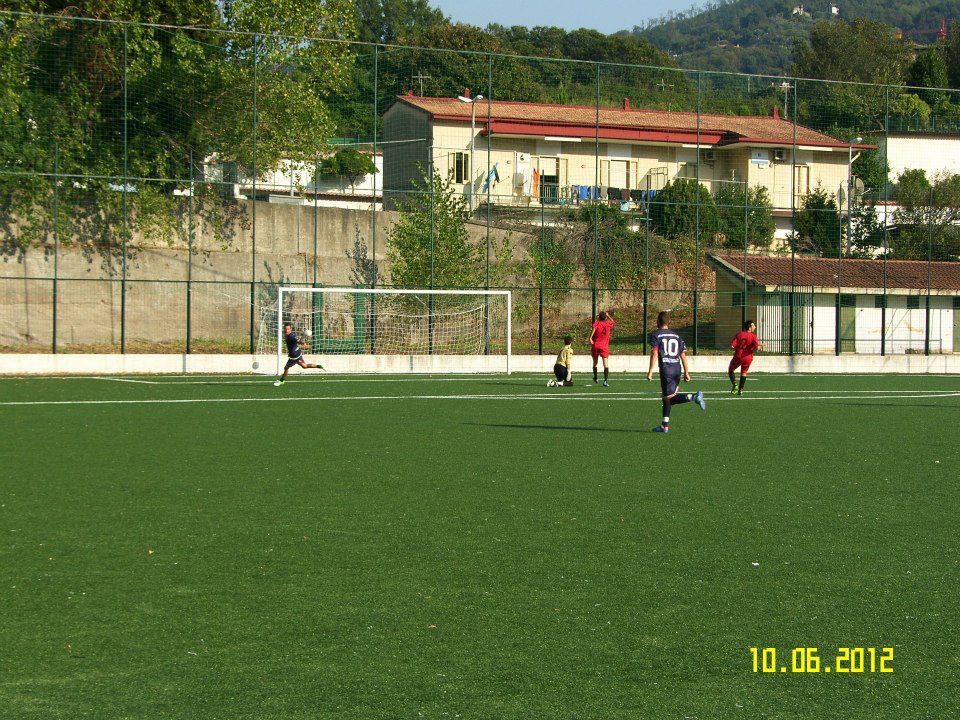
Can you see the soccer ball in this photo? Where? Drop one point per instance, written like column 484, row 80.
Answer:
column 276, row 383
column 308, row 332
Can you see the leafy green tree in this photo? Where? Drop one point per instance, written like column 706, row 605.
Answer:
column 818, row 226
column 864, row 51
column 135, row 100
column 619, row 249
column 429, row 245
column 929, row 70
column 391, row 21
column 674, row 211
column 349, row 163
column 926, row 221
column 736, row 206
column 871, row 167
column 911, row 109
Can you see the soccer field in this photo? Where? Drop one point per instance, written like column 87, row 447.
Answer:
column 476, row 547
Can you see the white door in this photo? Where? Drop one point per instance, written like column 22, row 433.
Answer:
column 619, row 175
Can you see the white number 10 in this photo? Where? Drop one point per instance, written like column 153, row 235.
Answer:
column 671, row 347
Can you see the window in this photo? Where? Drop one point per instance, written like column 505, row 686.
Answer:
column 847, row 301
column 461, row 167
column 879, row 301
column 736, row 299
column 956, row 302
column 913, row 302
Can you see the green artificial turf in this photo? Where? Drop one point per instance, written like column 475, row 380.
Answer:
column 374, row 547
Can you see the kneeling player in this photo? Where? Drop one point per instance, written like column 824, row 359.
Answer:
column 563, row 368
column 294, row 354
column 670, row 352
column 743, row 344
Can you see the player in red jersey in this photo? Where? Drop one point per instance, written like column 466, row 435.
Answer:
column 600, row 344
column 743, row 344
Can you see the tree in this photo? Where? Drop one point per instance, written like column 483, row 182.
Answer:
column 926, row 221
column 134, row 101
column 619, row 249
column 674, row 210
column 818, row 226
column 391, row 21
column 429, row 245
column 864, row 51
column 951, row 55
column 348, row 163
column 734, row 206
column 910, row 108
column 871, row 167
column 929, row 70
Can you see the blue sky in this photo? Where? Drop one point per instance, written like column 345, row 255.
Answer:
column 569, row 14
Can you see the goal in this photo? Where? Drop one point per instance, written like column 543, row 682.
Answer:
column 388, row 330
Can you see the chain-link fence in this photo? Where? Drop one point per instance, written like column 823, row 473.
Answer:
column 158, row 183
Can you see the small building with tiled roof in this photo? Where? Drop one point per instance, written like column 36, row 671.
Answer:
column 890, row 307
column 527, row 153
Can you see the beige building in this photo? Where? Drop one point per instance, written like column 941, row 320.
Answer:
column 517, row 153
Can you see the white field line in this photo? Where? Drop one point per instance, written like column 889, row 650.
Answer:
column 563, row 396
column 296, row 379
column 518, row 382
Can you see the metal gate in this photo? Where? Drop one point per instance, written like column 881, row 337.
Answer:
column 785, row 317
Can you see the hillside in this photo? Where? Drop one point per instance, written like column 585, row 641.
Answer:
column 757, row 36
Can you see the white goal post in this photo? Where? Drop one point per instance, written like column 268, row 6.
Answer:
column 408, row 330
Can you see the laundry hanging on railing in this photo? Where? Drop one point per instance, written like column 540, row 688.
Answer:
column 493, row 177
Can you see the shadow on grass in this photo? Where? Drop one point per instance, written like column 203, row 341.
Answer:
column 517, row 426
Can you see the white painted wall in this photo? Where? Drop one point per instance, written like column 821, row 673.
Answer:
column 935, row 155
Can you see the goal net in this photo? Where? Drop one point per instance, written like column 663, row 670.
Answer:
column 384, row 330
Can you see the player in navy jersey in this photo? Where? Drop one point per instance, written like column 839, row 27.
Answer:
column 669, row 351
column 294, row 353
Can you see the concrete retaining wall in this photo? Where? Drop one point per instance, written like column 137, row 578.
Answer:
column 70, row 364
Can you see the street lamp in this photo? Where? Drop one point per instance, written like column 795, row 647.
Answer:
column 857, row 140
column 472, row 102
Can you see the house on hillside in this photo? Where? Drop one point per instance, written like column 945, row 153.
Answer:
column 856, row 306
column 533, row 153
column 295, row 183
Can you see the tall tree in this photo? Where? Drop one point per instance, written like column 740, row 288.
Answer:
column 929, row 70
column 864, row 51
column 391, row 21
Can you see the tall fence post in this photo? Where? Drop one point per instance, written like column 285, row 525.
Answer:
column 646, row 277
column 56, row 240
column 253, row 199
column 125, row 223
column 886, row 219
column 540, row 299
column 696, row 232
column 596, row 204
column 373, row 204
column 926, row 311
column 190, row 257
column 792, row 332
column 486, row 298
column 316, row 214
column 746, row 250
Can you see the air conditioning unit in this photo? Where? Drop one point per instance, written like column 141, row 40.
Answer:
column 779, row 155
column 709, row 155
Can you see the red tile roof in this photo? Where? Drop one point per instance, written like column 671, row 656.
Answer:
column 764, row 270
column 547, row 119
